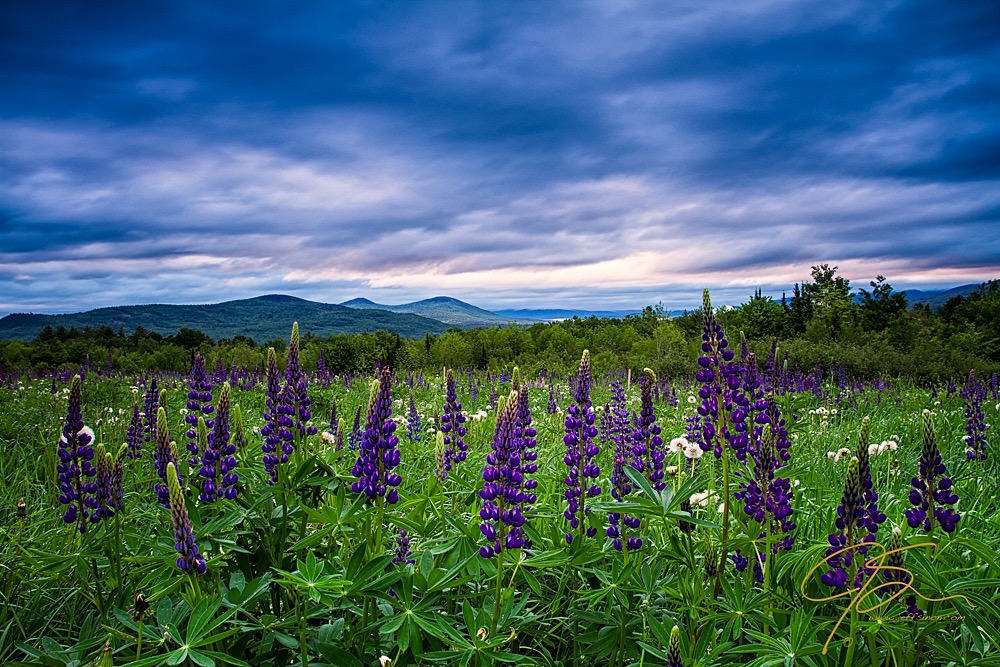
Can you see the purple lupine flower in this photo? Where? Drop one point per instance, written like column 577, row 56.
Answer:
column 720, row 378
column 552, row 407
column 648, row 445
column 580, row 453
column 616, row 420
column 296, row 395
column 849, row 512
column 974, row 393
column 190, row 559
column 378, row 454
column 897, row 576
column 494, row 397
column 333, row 416
column 932, row 491
column 354, row 438
column 102, row 494
column 674, row 649
column 239, row 438
column 133, row 436
column 272, row 428
column 524, row 435
column 164, row 453
column 452, row 425
column 218, row 463
column 220, row 371
column 413, row 421
column 199, row 404
column 149, row 413
column 502, row 516
column 873, row 517
column 403, row 551
column 117, row 496
column 75, row 457
column 766, row 497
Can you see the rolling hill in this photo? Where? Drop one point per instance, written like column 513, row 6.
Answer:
column 262, row 318
column 442, row 308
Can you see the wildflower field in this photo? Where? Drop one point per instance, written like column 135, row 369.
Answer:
column 751, row 514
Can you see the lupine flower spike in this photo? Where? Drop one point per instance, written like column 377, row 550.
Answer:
column 580, row 453
column 932, row 491
column 674, row 649
column 163, row 455
column 218, row 463
column 190, row 559
column 378, row 454
column 199, row 405
column 894, row 572
column 75, row 468
column 133, row 436
column 849, row 513
column 618, row 433
column 273, row 429
column 453, row 427
column 648, row 447
column 502, row 491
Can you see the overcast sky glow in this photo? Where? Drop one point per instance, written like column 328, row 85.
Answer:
column 604, row 154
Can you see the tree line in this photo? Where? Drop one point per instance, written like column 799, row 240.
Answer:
column 870, row 332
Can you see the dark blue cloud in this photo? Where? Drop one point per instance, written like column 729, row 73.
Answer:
column 402, row 150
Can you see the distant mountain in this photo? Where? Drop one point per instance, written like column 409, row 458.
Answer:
column 442, row 308
column 937, row 298
column 554, row 314
column 262, row 318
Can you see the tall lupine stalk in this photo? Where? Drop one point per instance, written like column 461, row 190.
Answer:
column 503, row 494
column 647, row 444
column 164, row 455
column 841, row 553
column 766, row 497
column 674, row 649
column 199, row 404
column 619, row 434
column 453, row 427
column 75, row 465
column 218, row 463
column 378, row 454
column 354, row 438
column 720, row 409
column 133, row 436
column 239, row 438
column 104, row 465
column 896, row 575
column 552, row 406
column 580, row 453
column 189, row 560
column 272, row 429
column 149, row 414
column 974, row 393
column 296, row 396
column 524, row 434
column 413, row 420
column 932, row 489
column 873, row 516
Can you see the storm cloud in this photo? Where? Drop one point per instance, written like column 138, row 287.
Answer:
column 509, row 154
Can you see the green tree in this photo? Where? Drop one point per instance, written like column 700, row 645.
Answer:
column 880, row 307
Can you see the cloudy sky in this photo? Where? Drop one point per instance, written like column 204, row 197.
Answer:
column 512, row 154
